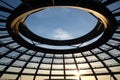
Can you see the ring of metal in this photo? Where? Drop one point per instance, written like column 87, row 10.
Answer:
column 106, row 25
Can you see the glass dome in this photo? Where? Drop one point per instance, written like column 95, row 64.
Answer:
column 25, row 55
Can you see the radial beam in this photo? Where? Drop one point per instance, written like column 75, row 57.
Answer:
column 5, row 9
column 78, row 70
column 90, row 66
column 20, row 73
column 110, row 72
column 116, row 14
column 9, row 51
column 108, row 2
column 51, row 67
column 12, row 62
column 39, row 66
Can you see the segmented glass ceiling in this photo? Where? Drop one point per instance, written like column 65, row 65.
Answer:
column 47, row 40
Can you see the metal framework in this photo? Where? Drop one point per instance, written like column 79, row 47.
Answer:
column 19, row 57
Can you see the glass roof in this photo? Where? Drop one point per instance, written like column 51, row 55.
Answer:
column 18, row 62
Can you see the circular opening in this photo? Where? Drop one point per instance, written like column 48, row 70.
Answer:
column 99, row 22
column 60, row 23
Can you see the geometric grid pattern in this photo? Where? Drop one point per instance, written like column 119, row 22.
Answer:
column 18, row 62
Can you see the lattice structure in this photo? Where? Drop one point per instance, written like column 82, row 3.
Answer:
column 23, row 57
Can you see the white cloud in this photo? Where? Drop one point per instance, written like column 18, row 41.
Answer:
column 60, row 34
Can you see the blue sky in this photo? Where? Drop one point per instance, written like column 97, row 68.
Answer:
column 61, row 23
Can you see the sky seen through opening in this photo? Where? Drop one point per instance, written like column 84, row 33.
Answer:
column 61, row 23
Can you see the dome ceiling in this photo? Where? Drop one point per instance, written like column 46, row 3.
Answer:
column 26, row 55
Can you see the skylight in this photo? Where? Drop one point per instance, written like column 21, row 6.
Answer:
column 61, row 23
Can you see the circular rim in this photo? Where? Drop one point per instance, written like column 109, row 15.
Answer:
column 99, row 28
column 16, row 26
